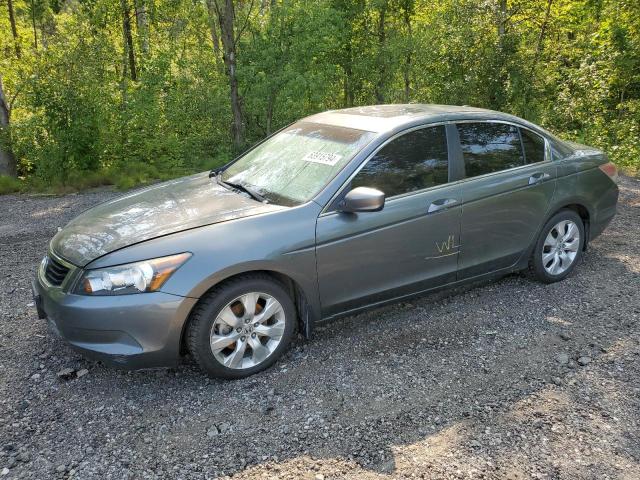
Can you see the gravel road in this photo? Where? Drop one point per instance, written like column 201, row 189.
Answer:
column 511, row 379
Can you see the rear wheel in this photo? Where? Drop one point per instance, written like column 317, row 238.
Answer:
column 559, row 247
column 241, row 327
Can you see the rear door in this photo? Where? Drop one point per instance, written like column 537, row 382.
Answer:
column 509, row 185
column 410, row 245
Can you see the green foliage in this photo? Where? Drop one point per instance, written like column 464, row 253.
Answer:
column 80, row 119
column 10, row 185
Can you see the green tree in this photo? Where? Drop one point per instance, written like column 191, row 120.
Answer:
column 131, row 91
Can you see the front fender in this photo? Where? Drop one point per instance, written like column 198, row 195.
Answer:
column 281, row 241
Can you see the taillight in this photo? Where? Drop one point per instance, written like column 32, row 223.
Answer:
column 610, row 169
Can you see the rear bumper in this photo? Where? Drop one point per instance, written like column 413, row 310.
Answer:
column 128, row 331
column 605, row 211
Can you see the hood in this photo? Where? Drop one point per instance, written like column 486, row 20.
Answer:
column 159, row 210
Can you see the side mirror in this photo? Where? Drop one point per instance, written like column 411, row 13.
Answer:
column 362, row 199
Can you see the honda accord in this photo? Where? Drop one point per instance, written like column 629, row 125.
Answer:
column 339, row 212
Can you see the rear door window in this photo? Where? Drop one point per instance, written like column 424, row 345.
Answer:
column 414, row 161
column 489, row 147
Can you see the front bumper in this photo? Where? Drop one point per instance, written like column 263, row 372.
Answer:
column 128, row 331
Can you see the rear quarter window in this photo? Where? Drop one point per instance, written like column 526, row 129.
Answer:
column 534, row 146
column 560, row 150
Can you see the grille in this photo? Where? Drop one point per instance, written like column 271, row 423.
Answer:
column 55, row 272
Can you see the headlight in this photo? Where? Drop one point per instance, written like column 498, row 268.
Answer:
column 139, row 277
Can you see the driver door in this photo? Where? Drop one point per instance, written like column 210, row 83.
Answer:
column 410, row 245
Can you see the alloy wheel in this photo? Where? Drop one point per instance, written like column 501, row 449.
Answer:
column 247, row 330
column 561, row 247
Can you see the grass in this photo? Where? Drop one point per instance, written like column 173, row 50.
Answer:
column 122, row 179
column 10, row 185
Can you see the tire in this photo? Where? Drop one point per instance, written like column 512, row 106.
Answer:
column 223, row 335
column 561, row 241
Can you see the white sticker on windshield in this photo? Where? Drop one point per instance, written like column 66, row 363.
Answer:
column 322, row 157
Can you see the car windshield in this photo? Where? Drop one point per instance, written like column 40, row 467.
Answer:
column 296, row 163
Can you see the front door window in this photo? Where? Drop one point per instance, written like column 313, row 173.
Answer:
column 412, row 162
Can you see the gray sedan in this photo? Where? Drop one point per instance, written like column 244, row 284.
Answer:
column 341, row 211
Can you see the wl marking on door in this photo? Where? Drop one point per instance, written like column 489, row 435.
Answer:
column 447, row 247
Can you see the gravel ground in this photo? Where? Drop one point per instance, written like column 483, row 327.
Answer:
column 511, row 379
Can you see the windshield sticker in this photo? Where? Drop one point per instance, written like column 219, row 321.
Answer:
column 322, row 157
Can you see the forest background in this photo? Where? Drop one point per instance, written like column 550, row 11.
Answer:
column 127, row 92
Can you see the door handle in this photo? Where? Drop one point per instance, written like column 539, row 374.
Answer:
column 538, row 177
column 441, row 204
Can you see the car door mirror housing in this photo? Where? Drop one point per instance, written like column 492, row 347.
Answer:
column 362, row 199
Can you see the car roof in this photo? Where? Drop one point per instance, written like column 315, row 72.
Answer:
column 383, row 118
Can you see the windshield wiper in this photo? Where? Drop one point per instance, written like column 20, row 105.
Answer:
column 217, row 171
column 239, row 186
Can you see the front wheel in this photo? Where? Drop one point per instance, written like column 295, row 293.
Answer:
column 241, row 327
column 559, row 247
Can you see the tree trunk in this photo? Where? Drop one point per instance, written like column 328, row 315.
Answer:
column 14, row 30
column 497, row 92
column 226, row 20
column 142, row 23
column 543, row 29
column 213, row 30
column 528, row 91
column 408, row 10
column 502, row 20
column 270, row 108
column 33, row 24
column 8, row 164
column 382, row 40
column 128, row 39
column 348, row 75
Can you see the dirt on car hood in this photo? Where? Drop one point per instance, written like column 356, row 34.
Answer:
column 152, row 212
